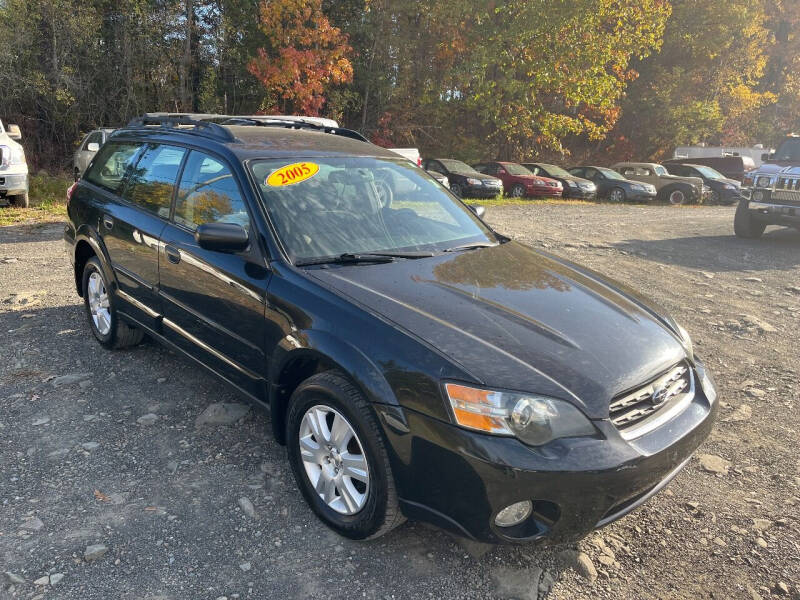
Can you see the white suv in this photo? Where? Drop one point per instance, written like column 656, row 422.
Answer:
column 13, row 168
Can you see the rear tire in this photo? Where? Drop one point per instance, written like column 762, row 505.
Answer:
column 744, row 225
column 110, row 330
column 378, row 511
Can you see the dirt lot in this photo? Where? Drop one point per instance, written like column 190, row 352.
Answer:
column 100, row 448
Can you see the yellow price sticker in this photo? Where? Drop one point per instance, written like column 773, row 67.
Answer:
column 291, row 174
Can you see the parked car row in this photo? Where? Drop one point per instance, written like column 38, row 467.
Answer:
column 676, row 183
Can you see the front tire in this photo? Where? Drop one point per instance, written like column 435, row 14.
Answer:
column 339, row 459
column 22, row 200
column 104, row 321
column 616, row 194
column 744, row 225
column 456, row 189
column 518, row 191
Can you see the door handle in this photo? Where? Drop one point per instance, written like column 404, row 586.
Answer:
column 108, row 222
column 173, row 254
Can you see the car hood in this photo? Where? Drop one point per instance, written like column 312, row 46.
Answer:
column 733, row 182
column 782, row 168
column 516, row 318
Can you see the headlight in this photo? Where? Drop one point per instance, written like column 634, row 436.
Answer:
column 687, row 341
column 11, row 155
column 471, row 181
column 764, row 181
column 571, row 183
column 637, row 186
column 728, row 186
column 535, row 420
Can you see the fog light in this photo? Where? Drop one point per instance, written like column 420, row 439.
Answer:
column 514, row 514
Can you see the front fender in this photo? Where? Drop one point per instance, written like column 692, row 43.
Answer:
column 320, row 345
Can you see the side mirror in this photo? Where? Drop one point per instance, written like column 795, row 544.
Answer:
column 222, row 237
column 478, row 209
column 14, row 133
column 93, row 147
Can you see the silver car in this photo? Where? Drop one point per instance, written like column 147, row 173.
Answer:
column 88, row 148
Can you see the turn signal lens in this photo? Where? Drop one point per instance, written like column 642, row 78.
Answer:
column 535, row 420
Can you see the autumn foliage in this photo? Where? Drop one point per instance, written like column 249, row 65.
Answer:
column 307, row 55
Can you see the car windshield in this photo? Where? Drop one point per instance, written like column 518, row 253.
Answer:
column 456, row 166
column 710, row 173
column 610, row 174
column 327, row 207
column 515, row 169
column 789, row 150
column 555, row 170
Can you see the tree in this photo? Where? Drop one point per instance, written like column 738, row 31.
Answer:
column 703, row 84
column 305, row 56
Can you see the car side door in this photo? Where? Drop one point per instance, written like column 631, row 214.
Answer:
column 214, row 301
column 593, row 175
column 128, row 225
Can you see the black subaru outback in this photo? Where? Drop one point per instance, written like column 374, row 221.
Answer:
column 415, row 363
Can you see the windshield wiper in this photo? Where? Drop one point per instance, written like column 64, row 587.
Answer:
column 470, row 247
column 362, row 257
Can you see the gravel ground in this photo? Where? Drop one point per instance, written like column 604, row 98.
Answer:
column 112, row 488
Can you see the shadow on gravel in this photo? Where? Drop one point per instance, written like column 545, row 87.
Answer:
column 31, row 232
column 778, row 249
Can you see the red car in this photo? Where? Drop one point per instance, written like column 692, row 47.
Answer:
column 519, row 182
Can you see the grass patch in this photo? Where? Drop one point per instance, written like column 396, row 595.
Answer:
column 48, row 200
column 508, row 201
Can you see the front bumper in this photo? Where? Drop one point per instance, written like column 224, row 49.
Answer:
column 580, row 193
column 642, row 196
column 730, row 196
column 772, row 209
column 543, row 191
column 13, row 184
column 460, row 480
column 481, row 191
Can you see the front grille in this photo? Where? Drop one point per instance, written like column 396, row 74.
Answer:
column 790, row 197
column 631, row 409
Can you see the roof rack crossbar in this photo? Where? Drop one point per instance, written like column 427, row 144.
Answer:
column 173, row 121
column 294, row 124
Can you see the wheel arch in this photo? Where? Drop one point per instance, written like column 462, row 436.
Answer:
column 300, row 355
column 88, row 244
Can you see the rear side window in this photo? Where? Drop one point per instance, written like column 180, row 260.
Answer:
column 152, row 181
column 208, row 194
column 111, row 164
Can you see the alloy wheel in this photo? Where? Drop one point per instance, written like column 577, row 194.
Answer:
column 616, row 195
column 98, row 303
column 334, row 459
column 517, row 191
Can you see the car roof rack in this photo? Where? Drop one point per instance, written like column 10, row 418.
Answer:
column 200, row 124
column 267, row 121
